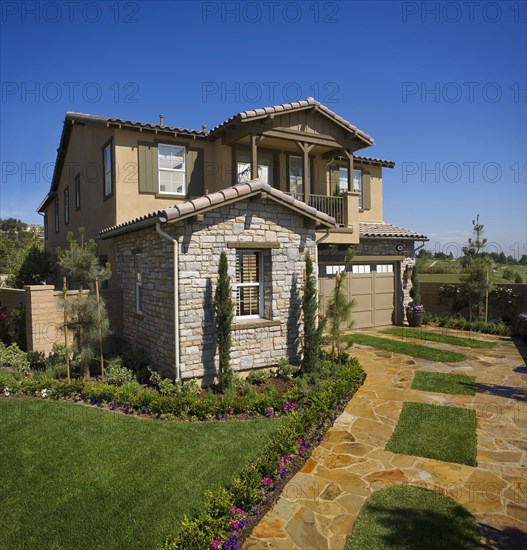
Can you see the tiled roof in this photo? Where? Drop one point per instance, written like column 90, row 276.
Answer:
column 119, row 122
column 302, row 104
column 380, row 162
column 215, row 200
column 387, row 230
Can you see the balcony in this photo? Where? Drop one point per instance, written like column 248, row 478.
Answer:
column 331, row 205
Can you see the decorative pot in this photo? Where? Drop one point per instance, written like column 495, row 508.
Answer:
column 415, row 318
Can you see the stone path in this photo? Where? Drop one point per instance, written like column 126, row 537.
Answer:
column 319, row 506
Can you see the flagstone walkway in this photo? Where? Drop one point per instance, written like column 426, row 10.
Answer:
column 319, row 506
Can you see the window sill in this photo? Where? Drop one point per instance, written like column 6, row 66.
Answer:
column 242, row 324
column 170, row 195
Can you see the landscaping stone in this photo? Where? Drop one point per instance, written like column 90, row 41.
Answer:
column 495, row 491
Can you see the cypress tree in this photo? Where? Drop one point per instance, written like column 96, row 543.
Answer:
column 312, row 328
column 223, row 315
column 339, row 310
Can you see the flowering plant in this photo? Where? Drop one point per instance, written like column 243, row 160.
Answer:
column 411, row 307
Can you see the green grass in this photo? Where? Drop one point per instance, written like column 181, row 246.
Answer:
column 443, row 382
column 77, row 477
column 443, row 338
column 432, row 431
column 438, row 278
column 406, row 348
column 411, row 518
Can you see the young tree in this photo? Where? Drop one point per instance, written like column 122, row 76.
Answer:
column 477, row 267
column 339, row 309
column 415, row 291
column 86, row 315
column 312, row 327
column 223, row 315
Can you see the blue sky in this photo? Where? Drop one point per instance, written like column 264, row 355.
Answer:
column 440, row 86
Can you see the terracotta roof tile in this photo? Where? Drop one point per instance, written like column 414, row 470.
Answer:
column 387, row 230
column 241, row 190
column 243, row 115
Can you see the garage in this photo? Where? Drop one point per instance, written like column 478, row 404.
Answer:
column 372, row 285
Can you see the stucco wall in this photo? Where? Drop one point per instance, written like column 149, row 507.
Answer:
column 254, row 344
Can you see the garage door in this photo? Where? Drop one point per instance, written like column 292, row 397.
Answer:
column 372, row 285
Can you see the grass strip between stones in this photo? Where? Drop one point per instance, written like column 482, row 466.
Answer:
column 443, row 382
column 442, row 338
column 406, row 348
column 408, row 518
column 439, row 432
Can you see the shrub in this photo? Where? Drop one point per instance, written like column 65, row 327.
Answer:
column 37, row 360
column 165, row 386
column 13, row 357
column 518, row 278
column 116, row 373
column 285, row 370
column 257, row 377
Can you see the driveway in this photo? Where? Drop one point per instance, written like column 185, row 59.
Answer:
column 320, row 504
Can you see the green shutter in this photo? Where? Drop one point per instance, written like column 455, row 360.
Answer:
column 195, row 173
column 334, row 180
column 366, row 190
column 148, row 167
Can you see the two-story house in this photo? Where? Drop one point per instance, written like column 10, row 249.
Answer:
column 266, row 186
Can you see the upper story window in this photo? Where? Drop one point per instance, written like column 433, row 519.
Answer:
column 296, row 180
column 57, row 226
column 77, row 192
column 66, row 206
column 107, row 157
column 343, row 179
column 265, row 167
column 172, row 169
column 357, row 184
column 249, row 288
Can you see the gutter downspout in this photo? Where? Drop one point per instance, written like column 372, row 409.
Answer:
column 175, row 244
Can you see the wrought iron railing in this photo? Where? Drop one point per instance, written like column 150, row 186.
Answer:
column 331, row 205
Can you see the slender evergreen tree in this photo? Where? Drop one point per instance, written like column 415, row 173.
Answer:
column 313, row 328
column 86, row 315
column 223, row 316
column 476, row 279
column 339, row 309
column 415, row 291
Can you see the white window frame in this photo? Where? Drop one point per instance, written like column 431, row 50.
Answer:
column 343, row 188
column 259, row 285
column 180, row 170
column 361, row 269
column 243, row 166
column 359, row 190
column 138, row 283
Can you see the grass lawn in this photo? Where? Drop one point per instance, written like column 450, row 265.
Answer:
column 77, row 477
column 412, row 518
column 444, row 382
column 436, row 337
column 405, row 348
column 432, row 431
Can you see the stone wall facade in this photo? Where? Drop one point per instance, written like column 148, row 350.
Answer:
column 280, row 234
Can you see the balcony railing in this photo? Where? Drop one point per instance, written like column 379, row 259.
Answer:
column 330, row 205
